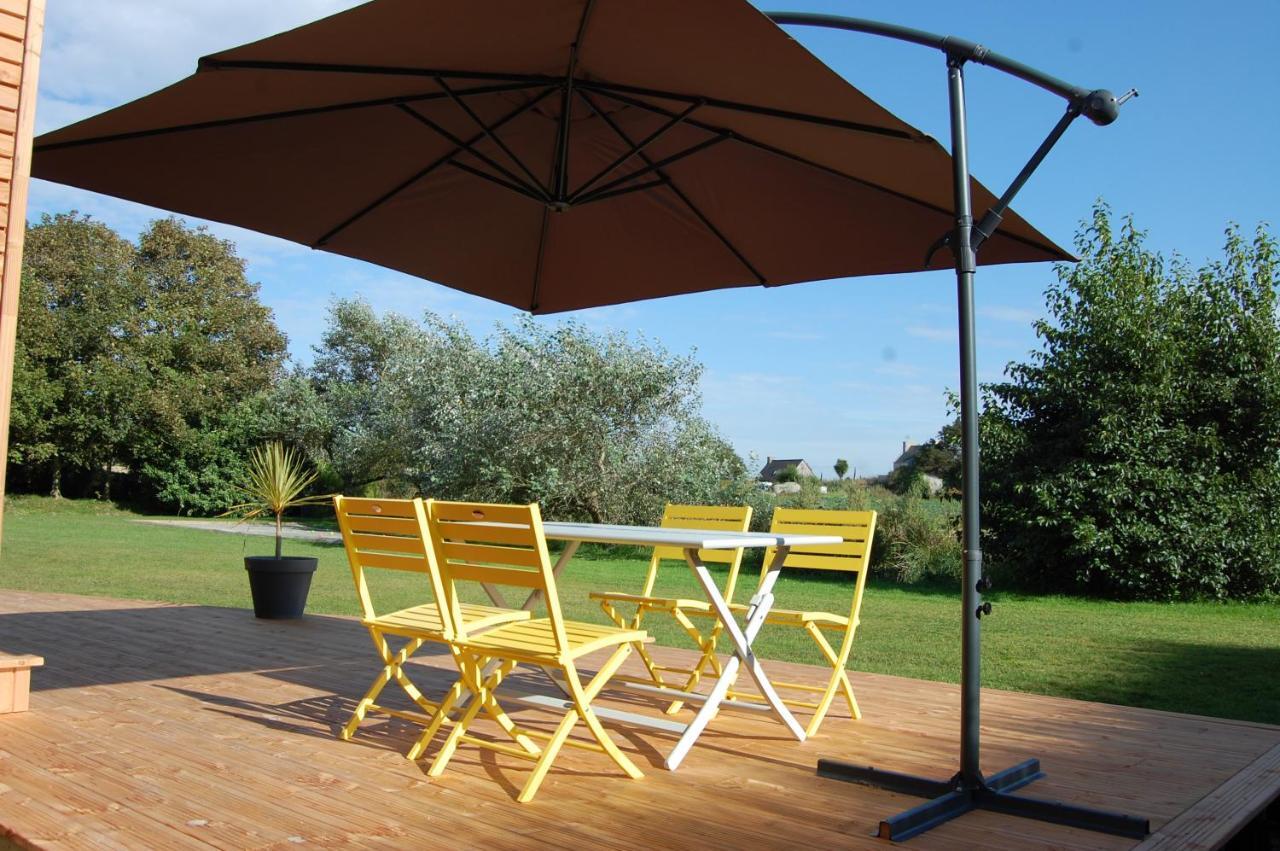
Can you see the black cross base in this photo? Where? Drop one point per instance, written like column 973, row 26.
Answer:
column 955, row 797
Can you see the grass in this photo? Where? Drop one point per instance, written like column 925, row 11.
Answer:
column 1203, row 658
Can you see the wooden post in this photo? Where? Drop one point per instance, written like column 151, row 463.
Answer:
column 21, row 29
column 15, row 682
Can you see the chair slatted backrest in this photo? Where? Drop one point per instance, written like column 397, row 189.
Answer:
column 720, row 518
column 495, row 545
column 386, row 534
column 857, row 528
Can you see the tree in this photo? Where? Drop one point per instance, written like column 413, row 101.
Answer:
column 842, row 467
column 73, row 366
column 1138, row 453
column 144, row 356
column 207, row 347
column 600, row 426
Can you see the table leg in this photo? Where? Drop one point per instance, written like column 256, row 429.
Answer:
column 761, row 603
column 535, row 597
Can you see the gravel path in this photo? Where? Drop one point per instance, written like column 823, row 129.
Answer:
column 293, row 531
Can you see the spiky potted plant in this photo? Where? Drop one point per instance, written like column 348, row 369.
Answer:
column 273, row 483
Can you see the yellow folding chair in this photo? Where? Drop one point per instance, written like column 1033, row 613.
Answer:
column 853, row 556
column 725, row 518
column 505, row 545
column 392, row 534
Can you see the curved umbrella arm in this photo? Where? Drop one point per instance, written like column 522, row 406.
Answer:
column 1099, row 105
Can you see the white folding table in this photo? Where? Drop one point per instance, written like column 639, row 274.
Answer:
column 692, row 541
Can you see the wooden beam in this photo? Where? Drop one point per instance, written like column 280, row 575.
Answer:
column 1212, row 821
column 20, row 123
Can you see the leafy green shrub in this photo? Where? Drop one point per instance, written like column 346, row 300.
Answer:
column 916, row 544
column 593, row 426
column 916, row 539
column 788, row 474
column 1138, row 454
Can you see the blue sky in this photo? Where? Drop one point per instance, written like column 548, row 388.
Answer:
column 842, row 368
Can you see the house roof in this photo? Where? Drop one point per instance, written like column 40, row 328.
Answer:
column 909, row 452
column 777, row 465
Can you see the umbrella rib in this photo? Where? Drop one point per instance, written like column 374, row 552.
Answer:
column 514, row 183
column 274, row 116
column 561, row 175
column 765, row 146
column 737, row 106
column 537, row 269
column 490, row 135
column 688, row 202
column 626, row 190
column 209, row 63
column 652, row 166
column 506, row 184
column 559, row 179
column 636, row 148
column 423, row 172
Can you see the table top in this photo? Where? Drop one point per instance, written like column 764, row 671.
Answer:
column 658, row 536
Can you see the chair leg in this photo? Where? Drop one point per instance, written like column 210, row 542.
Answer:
column 839, row 678
column 451, row 699
column 708, row 647
column 582, row 698
column 650, row 666
column 495, row 711
column 482, row 690
column 391, row 669
column 471, row 674
column 549, row 751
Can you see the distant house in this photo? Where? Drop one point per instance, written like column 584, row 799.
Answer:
column 909, row 452
column 774, row 466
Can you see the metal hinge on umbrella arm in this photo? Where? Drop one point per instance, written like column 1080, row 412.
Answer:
column 1100, row 106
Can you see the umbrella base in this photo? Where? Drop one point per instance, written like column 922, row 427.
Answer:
column 955, row 797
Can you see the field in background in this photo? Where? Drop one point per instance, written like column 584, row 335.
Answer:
column 1203, row 658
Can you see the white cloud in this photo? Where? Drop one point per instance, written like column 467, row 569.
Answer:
column 899, row 370
column 933, row 332
column 1007, row 313
column 98, row 54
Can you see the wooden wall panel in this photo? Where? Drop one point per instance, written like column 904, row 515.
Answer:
column 21, row 30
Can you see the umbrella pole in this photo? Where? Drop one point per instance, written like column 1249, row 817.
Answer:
column 968, row 789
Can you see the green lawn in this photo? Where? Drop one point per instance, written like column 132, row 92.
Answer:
column 1204, row 658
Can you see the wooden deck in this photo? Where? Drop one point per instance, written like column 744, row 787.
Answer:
column 156, row 726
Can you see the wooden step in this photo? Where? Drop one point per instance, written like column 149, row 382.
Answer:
column 15, row 681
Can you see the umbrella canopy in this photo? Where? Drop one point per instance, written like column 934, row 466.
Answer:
column 550, row 155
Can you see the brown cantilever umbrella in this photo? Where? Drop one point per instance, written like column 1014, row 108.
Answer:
column 703, row 148
column 567, row 153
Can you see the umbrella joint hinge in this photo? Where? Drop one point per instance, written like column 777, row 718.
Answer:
column 961, row 50
column 940, row 243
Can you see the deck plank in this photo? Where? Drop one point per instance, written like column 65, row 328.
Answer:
column 163, row 726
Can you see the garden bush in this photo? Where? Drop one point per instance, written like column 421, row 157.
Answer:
column 1137, row 455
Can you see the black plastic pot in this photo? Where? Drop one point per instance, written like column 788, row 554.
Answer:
column 279, row 585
